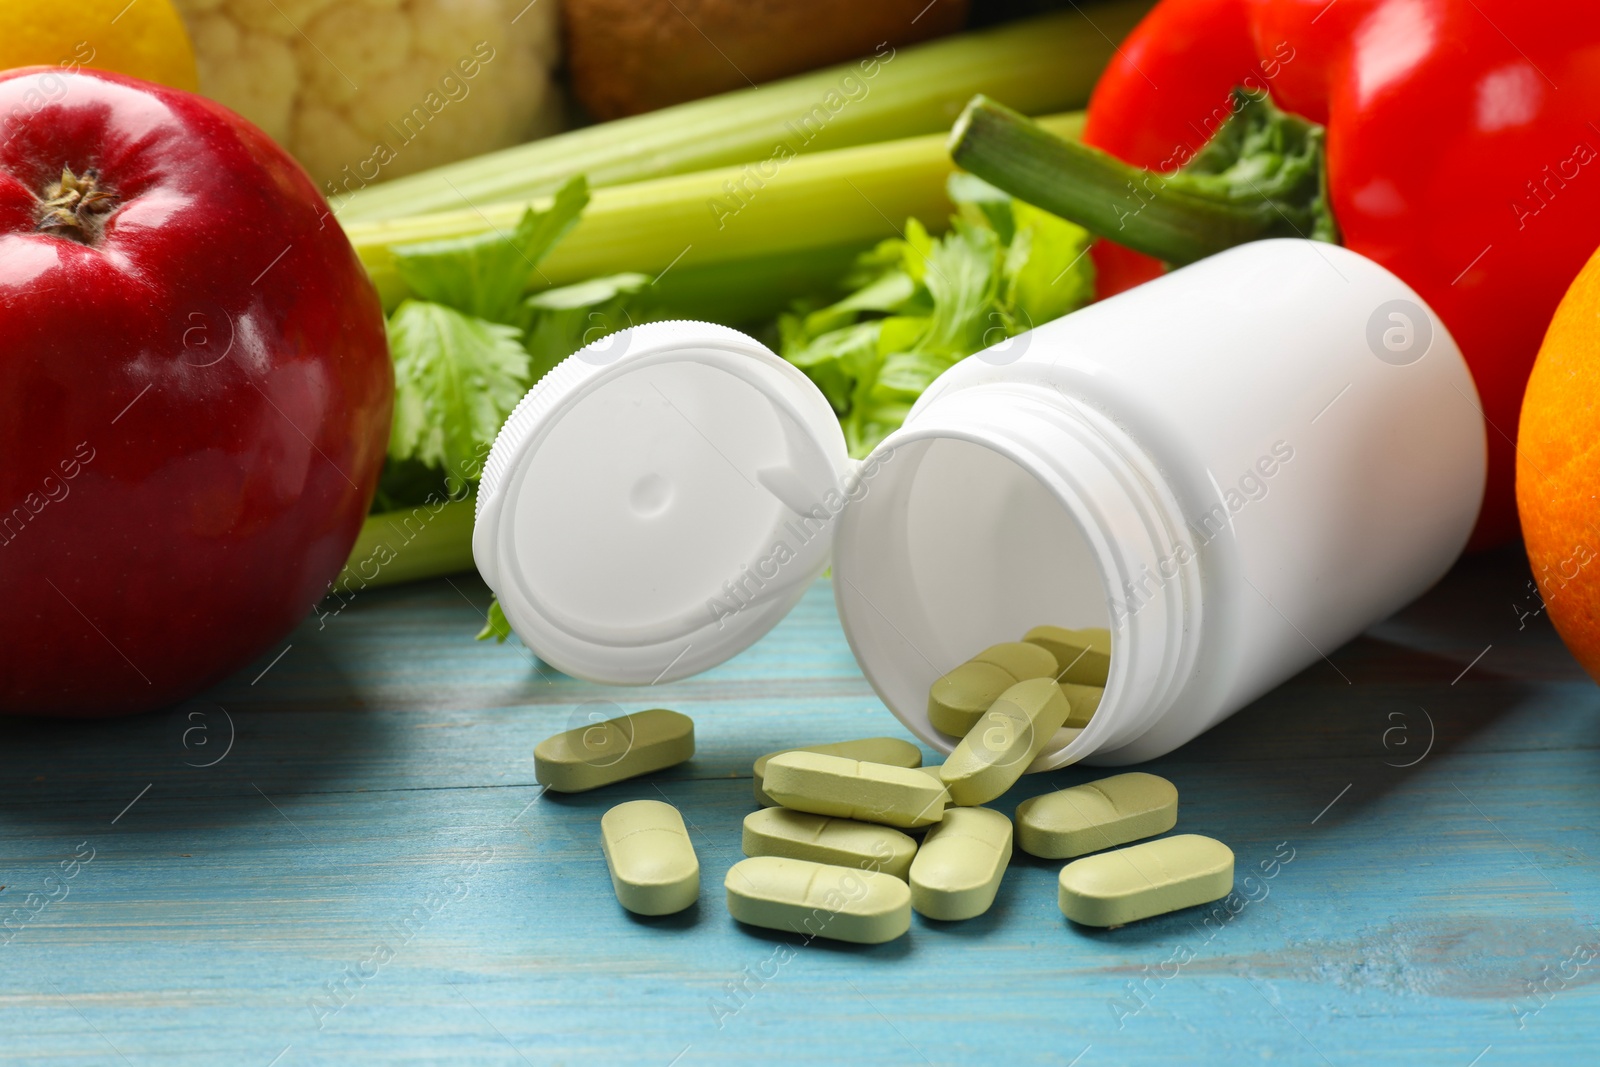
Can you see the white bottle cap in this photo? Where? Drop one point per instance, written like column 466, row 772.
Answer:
column 658, row 501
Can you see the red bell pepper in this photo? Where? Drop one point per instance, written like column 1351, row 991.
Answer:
column 1461, row 152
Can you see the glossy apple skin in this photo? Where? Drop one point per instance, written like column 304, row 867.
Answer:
column 193, row 409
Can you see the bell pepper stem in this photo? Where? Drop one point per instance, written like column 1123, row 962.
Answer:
column 1173, row 217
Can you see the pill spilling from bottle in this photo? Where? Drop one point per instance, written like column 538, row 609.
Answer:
column 831, row 850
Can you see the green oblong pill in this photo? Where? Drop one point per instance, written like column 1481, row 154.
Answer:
column 958, row 869
column 818, row 899
column 891, row 750
column 1083, row 656
column 1020, row 659
column 1148, row 879
column 853, row 789
column 1011, row 734
column 1096, row 815
column 822, row 839
column 958, row 699
column 630, row 745
column 1083, row 701
column 654, row 870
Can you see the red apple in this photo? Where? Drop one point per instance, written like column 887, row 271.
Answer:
column 195, row 393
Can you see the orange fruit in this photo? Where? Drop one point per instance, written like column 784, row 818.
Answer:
column 145, row 39
column 1558, row 468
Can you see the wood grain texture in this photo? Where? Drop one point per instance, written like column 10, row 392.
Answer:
column 376, row 824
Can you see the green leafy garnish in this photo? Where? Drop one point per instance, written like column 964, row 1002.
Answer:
column 920, row 304
column 485, row 274
column 469, row 345
column 456, row 378
column 567, row 319
column 495, row 624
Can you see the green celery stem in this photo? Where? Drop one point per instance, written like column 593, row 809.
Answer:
column 1128, row 205
column 1044, row 64
column 402, row 546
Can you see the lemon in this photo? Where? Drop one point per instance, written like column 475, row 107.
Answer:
column 143, row 38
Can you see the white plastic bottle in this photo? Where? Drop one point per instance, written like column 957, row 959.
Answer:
column 1235, row 468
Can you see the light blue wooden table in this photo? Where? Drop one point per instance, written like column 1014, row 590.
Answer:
column 369, row 874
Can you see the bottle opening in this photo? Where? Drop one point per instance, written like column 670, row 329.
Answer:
column 968, row 550
column 978, row 525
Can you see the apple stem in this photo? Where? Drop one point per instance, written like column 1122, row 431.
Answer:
column 76, row 206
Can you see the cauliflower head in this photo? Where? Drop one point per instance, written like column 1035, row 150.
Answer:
column 361, row 91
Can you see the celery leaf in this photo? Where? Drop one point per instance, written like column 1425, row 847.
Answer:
column 495, row 624
column 566, row 319
column 456, row 378
column 485, row 274
column 919, row 304
column 1047, row 270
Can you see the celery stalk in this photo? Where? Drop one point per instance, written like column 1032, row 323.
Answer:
column 402, row 546
column 849, row 196
column 752, row 292
column 1037, row 65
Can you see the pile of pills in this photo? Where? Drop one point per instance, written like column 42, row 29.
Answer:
column 831, row 851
